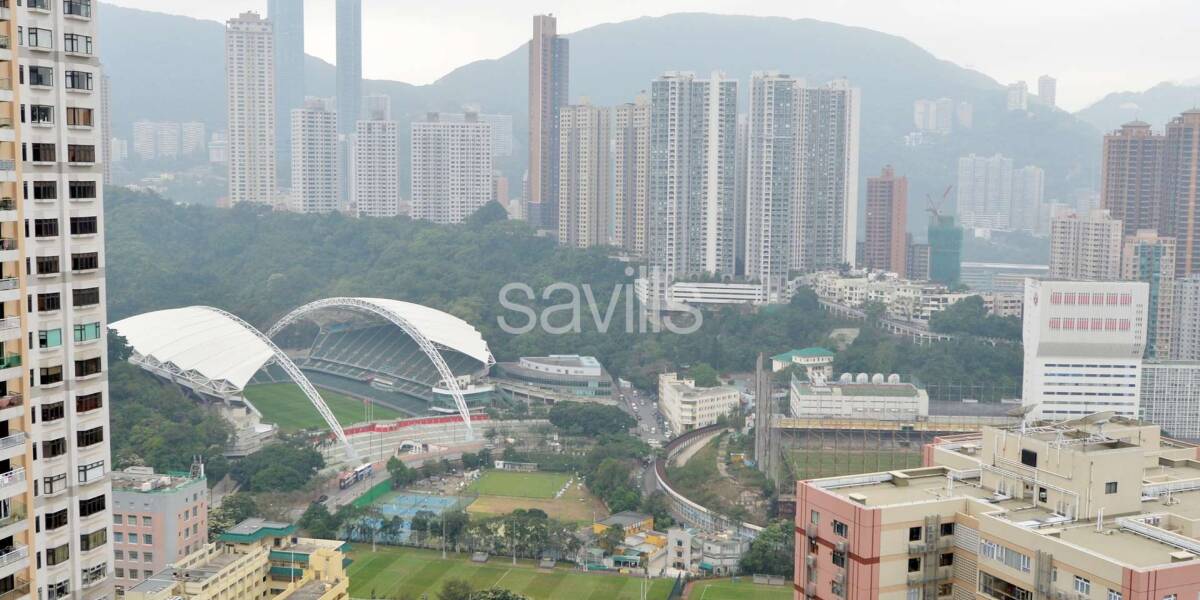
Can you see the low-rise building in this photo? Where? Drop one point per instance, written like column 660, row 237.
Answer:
column 1093, row 509
column 253, row 560
column 688, row 407
column 912, row 301
column 816, row 361
column 157, row 519
column 555, row 378
column 631, row 523
column 873, row 397
column 700, row 553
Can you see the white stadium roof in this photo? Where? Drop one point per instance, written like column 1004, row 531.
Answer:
column 443, row 329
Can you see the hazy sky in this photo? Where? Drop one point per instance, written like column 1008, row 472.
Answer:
column 1093, row 47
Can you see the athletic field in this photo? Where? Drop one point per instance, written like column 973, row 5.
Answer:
column 501, row 492
column 286, row 406
column 724, row 589
column 519, row 485
column 394, row 572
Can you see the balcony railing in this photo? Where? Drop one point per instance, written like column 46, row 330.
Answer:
column 15, row 510
column 10, row 361
column 21, row 589
column 14, row 476
column 5, row 41
column 12, row 555
column 12, row 440
column 11, row 400
column 9, row 283
column 10, row 323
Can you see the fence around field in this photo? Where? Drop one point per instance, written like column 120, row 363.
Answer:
column 378, row 490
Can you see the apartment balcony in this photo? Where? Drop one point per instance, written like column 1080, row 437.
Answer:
column 13, row 559
column 20, row 591
column 8, row 250
column 10, row 329
column 14, row 521
column 12, row 406
column 942, row 543
column 8, row 210
column 12, row 482
column 13, row 445
column 931, row 576
column 5, row 11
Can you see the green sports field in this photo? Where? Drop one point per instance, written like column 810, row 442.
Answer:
column 519, row 485
column 724, row 589
column 395, row 572
column 286, row 406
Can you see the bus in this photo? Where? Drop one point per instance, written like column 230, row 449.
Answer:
column 359, row 473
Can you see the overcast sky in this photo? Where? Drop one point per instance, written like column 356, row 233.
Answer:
column 1093, row 47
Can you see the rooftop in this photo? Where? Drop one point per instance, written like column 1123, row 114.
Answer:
column 895, row 390
column 814, row 352
column 144, row 480
column 254, row 529
column 625, row 519
column 310, row 591
column 565, row 360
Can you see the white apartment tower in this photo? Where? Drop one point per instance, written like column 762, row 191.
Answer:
column 193, row 139
column 985, row 192
column 54, row 452
column 1085, row 247
column 1028, row 193
column 250, row 97
column 145, row 140
column 314, row 157
column 167, row 139
column 693, row 132
column 1083, row 345
column 584, row 175
column 452, row 167
column 826, row 226
column 631, row 175
column 1018, row 96
column 375, row 165
column 772, row 177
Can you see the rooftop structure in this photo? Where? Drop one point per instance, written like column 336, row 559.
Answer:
column 863, row 397
column 688, row 407
column 555, row 378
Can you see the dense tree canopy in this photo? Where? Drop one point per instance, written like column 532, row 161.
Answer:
column 282, row 466
column 969, row 317
column 579, row 418
column 772, row 552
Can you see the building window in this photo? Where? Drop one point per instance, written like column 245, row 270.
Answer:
column 79, row 80
column 86, row 367
column 53, row 411
column 45, row 190
column 914, row 593
column 58, row 555
column 147, row 521
column 947, row 528
column 119, row 554
column 133, row 539
column 80, row 117
column 49, row 338
column 91, row 506
column 36, row 37
column 840, row 528
column 85, row 297
column 1110, row 487
column 54, row 484
column 82, row 190
column 78, row 8
column 1083, row 586
column 81, row 153
column 45, row 227
column 999, row 588
column 1029, row 458
column 90, row 437
column 88, row 403
column 119, row 537
column 85, row 261
column 914, row 534
column 814, row 517
column 50, row 375
column 41, row 76
column 86, row 332
column 84, row 226
column 56, row 519
column 54, row 448
column 837, row 588
column 945, row 560
column 50, row 301
column 92, row 540
column 914, row 565
column 838, row 558
column 79, row 44
column 148, row 540
column 42, row 152
column 41, row 114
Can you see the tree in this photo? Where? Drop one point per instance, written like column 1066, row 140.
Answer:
column 455, row 589
column 317, row 521
column 234, row 509
column 704, row 375
column 455, row 524
column 612, row 538
column 282, row 466
column 497, row 594
column 772, row 552
column 579, row 418
column 401, row 474
column 656, row 506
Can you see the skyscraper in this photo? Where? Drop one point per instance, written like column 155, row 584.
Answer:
column 945, row 249
column 1148, row 257
column 549, row 82
column 106, row 130
column 452, row 167
column 631, row 175
column 1185, row 333
column 314, row 157
column 54, row 423
column 772, row 177
column 584, row 175
column 887, row 223
column 1085, row 247
column 1018, row 96
column 349, row 64
column 1028, row 191
column 169, row 139
column 1131, row 176
column 1048, row 90
column 828, row 219
column 250, row 99
column 985, row 192
column 194, row 138
column 145, row 140
column 1181, row 191
column 287, row 23
column 375, row 180
column 692, row 134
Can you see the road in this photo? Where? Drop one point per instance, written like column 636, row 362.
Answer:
column 650, row 429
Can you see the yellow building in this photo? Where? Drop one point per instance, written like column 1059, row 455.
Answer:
column 631, row 523
column 253, row 560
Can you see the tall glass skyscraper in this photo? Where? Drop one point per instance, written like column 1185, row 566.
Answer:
column 287, row 23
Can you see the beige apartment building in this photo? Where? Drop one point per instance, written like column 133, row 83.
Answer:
column 1100, row 508
column 1085, row 247
column 688, row 407
column 253, row 560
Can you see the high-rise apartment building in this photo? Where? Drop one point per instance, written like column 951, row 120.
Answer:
column 145, row 140
column 1083, row 343
column 157, row 520
column 584, row 175
column 54, row 423
column 375, row 168
column 1018, row 96
column 1028, row 200
column 314, row 157
column 1181, row 190
column 120, row 149
column 1171, row 397
column 218, row 147
column 194, row 137
column 985, row 192
column 1185, row 335
column 349, row 64
column 945, row 249
column 631, row 175
column 1085, row 247
column 1150, row 258
column 250, row 97
column 287, row 22
column 452, row 165
column 772, row 180
column 935, row 116
column 168, row 140
column 106, row 130
column 1048, row 90
column 886, row 241
column 1131, row 176
column 741, row 165
column 692, row 135
column 502, row 129
column 827, row 223
column 964, row 114
column 549, row 82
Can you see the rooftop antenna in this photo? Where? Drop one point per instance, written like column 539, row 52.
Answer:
column 1023, row 413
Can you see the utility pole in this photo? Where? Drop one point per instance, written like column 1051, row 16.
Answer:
column 443, row 535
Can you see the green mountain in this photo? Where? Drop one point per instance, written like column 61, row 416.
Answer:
column 1155, row 106
column 611, row 63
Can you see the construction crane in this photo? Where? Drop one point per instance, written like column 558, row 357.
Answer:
column 935, row 209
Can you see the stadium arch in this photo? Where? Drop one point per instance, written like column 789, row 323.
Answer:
column 426, row 326
column 213, row 351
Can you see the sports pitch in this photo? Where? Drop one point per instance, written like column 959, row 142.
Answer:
column 501, row 492
column 519, row 485
column 286, row 406
column 724, row 589
column 395, row 572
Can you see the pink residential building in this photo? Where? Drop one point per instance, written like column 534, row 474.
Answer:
column 157, row 519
